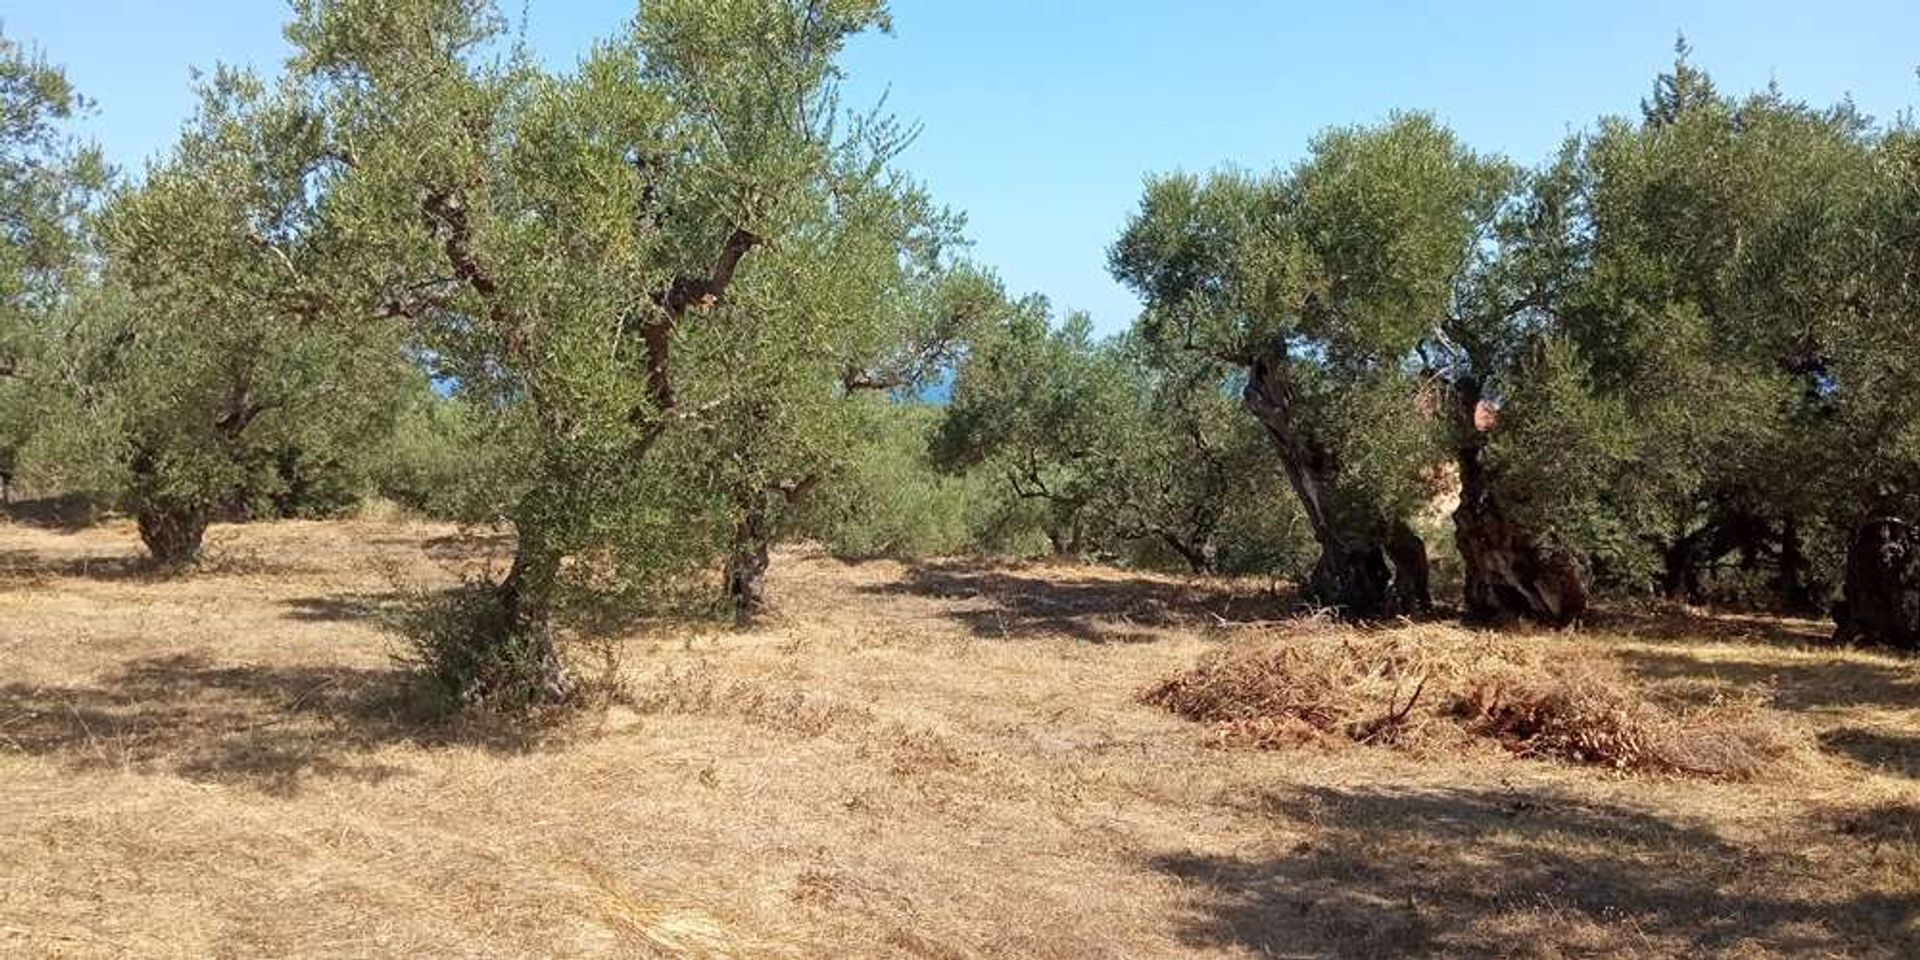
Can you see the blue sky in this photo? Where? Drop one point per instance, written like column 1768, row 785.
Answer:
column 1041, row 116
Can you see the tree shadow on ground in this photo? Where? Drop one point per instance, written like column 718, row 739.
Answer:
column 1670, row 625
column 997, row 602
column 29, row 566
column 380, row 608
column 1891, row 752
column 1797, row 684
column 469, row 546
column 218, row 560
column 1488, row 873
column 269, row 727
column 66, row 514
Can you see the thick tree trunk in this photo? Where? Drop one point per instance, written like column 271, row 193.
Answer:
column 1412, row 586
column 173, row 534
column 1680, row 576
column 1352, row 574
column 519, row 648
column 173, row 531
column 1794, row 585
column 1882, row 603
column 1509, row 571
column 747, row 563
column 1067, row 538
column 1056, row 541
column 1358, row 582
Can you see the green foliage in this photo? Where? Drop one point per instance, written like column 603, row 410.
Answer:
column 445, row 458
column 1122, row 447
column 887, row 498
column 1324, row 283
column 1729, row 300
column 223, row 362
column 1044, row 409
column 656, row 273
column 680, row 295
column 48, row 183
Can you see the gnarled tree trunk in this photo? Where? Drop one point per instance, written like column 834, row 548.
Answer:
column 172, row 529
column 1509, row 572
column 518, row 649
column 173, row 533
column 1353, row 573
column 1882, row 601
column 747, row 563
column 1412, row 586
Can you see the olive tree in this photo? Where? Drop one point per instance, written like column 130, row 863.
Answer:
column 205, row 346
column 48, row 184
column 1320, row 282
column 575, row 251
column 1736, row 306
column 1130, row 448
column 1046, row 408
column 861, row 299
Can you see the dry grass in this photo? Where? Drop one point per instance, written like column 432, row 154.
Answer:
column 1429, row 690
column 939, row 761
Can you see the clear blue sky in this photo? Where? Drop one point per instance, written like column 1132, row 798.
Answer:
column 1041, row 116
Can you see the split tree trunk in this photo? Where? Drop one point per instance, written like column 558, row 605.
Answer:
column 1882, row 602
column 1353, row 574
column 1509, row 571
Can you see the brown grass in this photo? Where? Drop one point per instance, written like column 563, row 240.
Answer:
column 1428, row 690
column 947, row 760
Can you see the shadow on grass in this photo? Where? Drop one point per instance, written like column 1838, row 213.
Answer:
column 65, row 514
column 28, row 565
column 1665, row 625
column 381, row 609
column 1488, row 873
column 217, row 560
column 1000, row 602
column 1889, row 752
column 1798, row 684
column 267, row 727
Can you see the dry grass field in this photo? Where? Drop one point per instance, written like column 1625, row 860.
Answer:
column 937, row 760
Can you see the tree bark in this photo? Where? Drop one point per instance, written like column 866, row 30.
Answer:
column 1352, row 574
column 747, row 564
column 1794, row 586
column 1882, row 599
column 173, row 533
column 523, row 640
column 1680, row 577
column 1413, row 591
column 173, row 530
column 1509, row 571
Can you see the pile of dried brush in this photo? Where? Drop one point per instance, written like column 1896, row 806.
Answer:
column 1434, row 689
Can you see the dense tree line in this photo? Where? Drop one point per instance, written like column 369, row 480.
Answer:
column 665, row 308
column 1679, row 355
